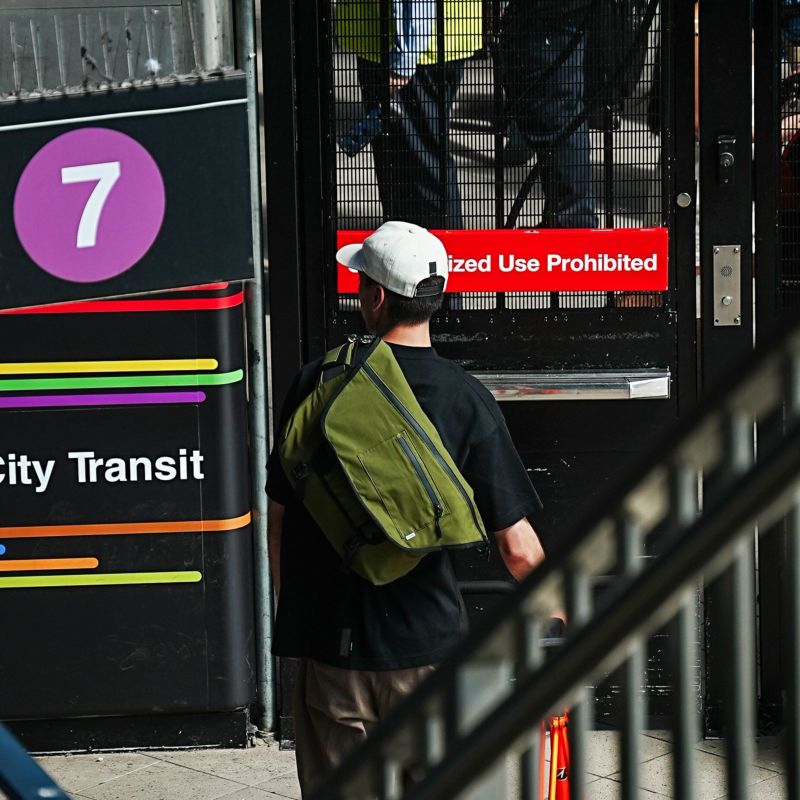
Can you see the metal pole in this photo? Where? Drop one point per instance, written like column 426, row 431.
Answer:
column 257, row 360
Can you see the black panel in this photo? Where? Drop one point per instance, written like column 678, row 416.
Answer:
column 138, row 648
column 202, row 155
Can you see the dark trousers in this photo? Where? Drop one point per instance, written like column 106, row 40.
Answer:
column 416, row 174
column 541, row 66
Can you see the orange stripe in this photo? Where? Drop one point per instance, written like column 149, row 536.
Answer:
column 28, row 564
column 114, row 528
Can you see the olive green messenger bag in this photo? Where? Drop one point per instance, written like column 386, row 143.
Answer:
column 371, row 468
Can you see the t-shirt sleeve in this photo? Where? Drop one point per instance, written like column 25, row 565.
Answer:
column 503, row 491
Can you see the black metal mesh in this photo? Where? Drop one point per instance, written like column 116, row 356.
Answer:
column 525, row 113
column 789, row 201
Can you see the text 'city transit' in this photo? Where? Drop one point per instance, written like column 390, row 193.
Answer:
column 87, row 467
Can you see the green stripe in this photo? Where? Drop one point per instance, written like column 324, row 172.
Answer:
column 121, row 381
column 107, row 579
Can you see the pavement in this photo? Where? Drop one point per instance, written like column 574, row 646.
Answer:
column 264, row 771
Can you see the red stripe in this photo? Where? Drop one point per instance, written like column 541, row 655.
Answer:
column 205, row 287
column 134, row 306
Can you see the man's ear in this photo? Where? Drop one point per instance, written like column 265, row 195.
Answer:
column 377, row 297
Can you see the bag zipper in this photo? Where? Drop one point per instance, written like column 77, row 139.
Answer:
column 418, row 429
column 423, row 479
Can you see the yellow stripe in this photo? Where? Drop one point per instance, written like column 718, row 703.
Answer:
column 150, row 365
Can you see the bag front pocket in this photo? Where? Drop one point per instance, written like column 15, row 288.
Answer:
column 399, row 485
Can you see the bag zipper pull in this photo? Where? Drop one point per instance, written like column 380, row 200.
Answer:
column 437, row 513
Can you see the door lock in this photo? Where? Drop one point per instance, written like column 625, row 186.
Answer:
column 726, row 159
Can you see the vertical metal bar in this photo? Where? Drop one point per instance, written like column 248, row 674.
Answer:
column 727, row 209
column 767, row 152
column 152, row 64
column 740, row 705
column 192, row 36
column 83, row 38
column 105, row 42
column 608, row 172
column 14, row 60
column 173, row 40
column 62, row 71
column 129, row 45
column 683, row 509
column 433, row 736
column 792, row 715
column 632, row 701
column 579, row 610
column 608, row 163
column 685, row 732
column 738, row 615
column 36, row 55
column 443, row 114
column 390, row 786
column 530, row 657
column 257, row 377
column 791, row 719
column 500, row 126
column 385, row 13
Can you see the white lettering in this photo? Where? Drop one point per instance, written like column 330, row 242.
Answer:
column 43, row 475
column 553, row 261
column 165, row 468
column 81, row 457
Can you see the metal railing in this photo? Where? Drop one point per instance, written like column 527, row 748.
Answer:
column 479, row 712
column 21, row 778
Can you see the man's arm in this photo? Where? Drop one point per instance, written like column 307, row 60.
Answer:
column 522, row 552
column 275, row 512
column 520, row 548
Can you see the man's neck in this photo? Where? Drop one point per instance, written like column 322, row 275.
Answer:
column 409, row 335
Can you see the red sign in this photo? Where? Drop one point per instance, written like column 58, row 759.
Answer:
column 548, row 260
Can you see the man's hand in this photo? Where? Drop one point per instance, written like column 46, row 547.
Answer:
column 520, row 548
column 398, row 81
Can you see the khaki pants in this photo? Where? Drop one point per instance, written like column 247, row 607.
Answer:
column 335, row 709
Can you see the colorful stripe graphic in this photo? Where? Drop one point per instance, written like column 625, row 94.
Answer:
column 107, row 579
column 151, row 365
column 121, row 399
column 117, row 528
column 31, row 564
column 135, row 306
column 121, row 382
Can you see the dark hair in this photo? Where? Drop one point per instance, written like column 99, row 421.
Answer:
column 411, row 310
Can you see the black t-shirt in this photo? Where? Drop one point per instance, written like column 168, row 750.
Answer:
column 342, row 619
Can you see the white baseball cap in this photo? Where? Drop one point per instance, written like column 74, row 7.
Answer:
column 399, row 256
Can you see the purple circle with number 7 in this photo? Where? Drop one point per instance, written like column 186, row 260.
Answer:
column 89, row 205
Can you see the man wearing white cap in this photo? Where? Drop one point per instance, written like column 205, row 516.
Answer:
column 362, row 647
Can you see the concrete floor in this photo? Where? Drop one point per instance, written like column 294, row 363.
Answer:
column 265, row 772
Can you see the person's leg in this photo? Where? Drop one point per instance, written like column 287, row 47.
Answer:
column 566, row 170
column 390, row 688
column 541, row 66
column 416, row 174
column 333, row 712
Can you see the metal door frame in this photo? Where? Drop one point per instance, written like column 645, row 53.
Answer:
column 299, row 238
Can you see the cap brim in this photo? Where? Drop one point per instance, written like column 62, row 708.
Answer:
column 351, row 256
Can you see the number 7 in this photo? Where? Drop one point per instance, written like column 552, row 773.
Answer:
column 106, row 174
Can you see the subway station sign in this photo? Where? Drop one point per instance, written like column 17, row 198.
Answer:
column 140, row 190
column 579, row 260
